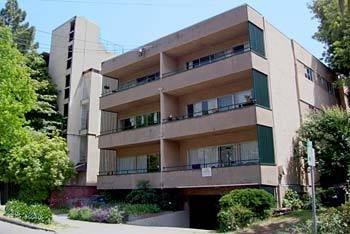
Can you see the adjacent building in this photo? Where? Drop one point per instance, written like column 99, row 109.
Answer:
column 75, row 62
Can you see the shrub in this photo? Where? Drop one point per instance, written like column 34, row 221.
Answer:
column 115, row 215
column 144, row 194
column 105, row 215
column 257, row 200
column 31, row 213
column 140, row 209
column 237, row 216
column 292, row 200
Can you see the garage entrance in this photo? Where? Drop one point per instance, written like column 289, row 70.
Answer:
column 203, row 212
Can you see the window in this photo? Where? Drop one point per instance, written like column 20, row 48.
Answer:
column 69, row 63
column 203, row 157
column 249, row 151
column 309, row 73
column 70, row 51
column 212, row 105
column 238, row 49
column 197, row 108
column 66, row 93
column 72, row 26
column 84, row 124
column 71, row 36
column 65, row 110
column 256, row 39
column 138, row 164
column 243, row 97
column 83, row 148
column 127, row 123
column 190, row 110
column 225, row 103
column 68, row 80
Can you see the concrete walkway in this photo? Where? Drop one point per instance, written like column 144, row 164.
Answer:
column 68, row 226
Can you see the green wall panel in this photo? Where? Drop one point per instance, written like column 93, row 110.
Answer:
column 265, row 143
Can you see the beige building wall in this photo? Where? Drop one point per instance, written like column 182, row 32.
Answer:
column 87, row 53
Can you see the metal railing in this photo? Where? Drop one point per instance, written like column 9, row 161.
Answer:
column 219, row 164
column 131, row 85
column 210, row 111
column 129, row 171
column 116, row 130
column 225, row 54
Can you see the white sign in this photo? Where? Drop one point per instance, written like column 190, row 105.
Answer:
column 310, row 154
column 206, row 171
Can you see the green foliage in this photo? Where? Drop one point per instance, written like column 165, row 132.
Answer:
column 140, row 209
column 105, row 215
column 31, row 213
column 329, row 130
column 44, row 116
column 144, row 194
column 334, row 32
column 13, row 17
column 39, row 166
column 234, row 217
column 292, row 200
column 257, row 200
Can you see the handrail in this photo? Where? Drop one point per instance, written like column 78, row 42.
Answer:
column 219, row 164
column 116, row 130
column 226, row 55
column 210, row 111
column 121, row 88
column 128, row 171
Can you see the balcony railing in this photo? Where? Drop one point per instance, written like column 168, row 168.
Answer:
column 124, row 87
column 210, row 111
column 116, row 130
column 220, row 164
column 217, row 57
column 129, row 171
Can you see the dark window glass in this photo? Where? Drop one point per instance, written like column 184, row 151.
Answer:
column 72, row 25
column 68, row 80
column 69, row 63
column 226, row 154
column 71, row 36
column 66, row 93
column 127, row 124
column 204, row 60
column 190, row 110
column 65, row 110
column 70, row 51
column 153, row 163
column 238, row 49
column 195, row 63
column 225, row 103
column 205, row 107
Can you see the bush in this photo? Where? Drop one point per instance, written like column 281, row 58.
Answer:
column 115, row 215
column 31, row 213
column 257, row 200
column 234, row 217
column 140, row 209
column 105, row 215
column 332, row 220
column 292, row 200
column 144, row 194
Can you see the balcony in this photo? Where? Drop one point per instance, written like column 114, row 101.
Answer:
column 122, row 137
column 217, row 120
column 214, row 72
column 127, row 181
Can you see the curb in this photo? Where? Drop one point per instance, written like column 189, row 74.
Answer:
column 23, row 224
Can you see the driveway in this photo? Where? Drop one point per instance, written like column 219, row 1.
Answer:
column 78, row 227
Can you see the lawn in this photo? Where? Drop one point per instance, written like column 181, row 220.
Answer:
column 280, row 224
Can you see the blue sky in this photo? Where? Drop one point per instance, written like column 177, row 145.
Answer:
column 132, row 23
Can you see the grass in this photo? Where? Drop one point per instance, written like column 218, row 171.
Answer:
column 279, row 224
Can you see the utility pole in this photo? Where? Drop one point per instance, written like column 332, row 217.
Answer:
column 312, row 163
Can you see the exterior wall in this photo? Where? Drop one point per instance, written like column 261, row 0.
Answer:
column 87, row 53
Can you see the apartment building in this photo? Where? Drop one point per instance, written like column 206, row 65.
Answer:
column 209, row 108
column 75, row 61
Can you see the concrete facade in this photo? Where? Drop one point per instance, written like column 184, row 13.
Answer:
column 187, row 77
column 75, row 62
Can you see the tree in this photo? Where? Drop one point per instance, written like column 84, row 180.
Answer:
column 329, row 130
column 17, row 94
column 334, row 32
column 44, row 116
column 14, row 18
column 39, row 166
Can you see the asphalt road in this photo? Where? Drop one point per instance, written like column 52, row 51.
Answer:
column 8, row 228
